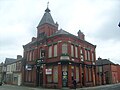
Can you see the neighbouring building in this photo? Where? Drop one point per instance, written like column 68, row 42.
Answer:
column 1, row 74
column 17, row 73
column 4, row 73
column 12, row 72
column 118, row 71
column 55, row 57
column 107, row 72
column 8, row 78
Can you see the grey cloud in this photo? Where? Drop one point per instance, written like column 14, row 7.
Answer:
column 109, row 29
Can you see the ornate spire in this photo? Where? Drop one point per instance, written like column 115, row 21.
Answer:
column 47, row 10
column 47, row 18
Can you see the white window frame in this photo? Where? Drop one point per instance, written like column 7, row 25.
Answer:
column 76, row 51
column 49, row 51
column 72, row 50
column 55, row 50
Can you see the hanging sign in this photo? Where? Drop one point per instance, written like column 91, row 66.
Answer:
column 28, row 67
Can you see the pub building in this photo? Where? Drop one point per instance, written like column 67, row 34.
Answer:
column 55, row 57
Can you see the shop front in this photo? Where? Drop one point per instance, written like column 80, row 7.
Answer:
column 62, row 75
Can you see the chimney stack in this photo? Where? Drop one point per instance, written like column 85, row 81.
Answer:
column 19, row 57
column 99, row 58
column 33, row 39
column 81, row 35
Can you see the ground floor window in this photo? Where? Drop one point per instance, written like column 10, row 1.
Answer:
column 88, row 74
column 9, row 78
column 29, row 76
column 55, row 74
column 15, row 79
column 49, row 74
column 49, row 78
column 77, row 74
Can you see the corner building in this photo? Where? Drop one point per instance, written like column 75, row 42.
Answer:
column 55, row 57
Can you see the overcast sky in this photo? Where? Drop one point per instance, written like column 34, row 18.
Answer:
column 97, row 19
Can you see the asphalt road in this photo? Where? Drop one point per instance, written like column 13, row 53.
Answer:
column 103, row 87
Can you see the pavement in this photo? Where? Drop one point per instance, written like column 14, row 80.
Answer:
column 102, row 87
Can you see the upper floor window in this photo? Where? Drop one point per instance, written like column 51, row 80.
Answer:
column 18, row 67
column 27, row 56
column 55, row 50
column 33, row 55
column 50, row 51
column 81, row 51
column 81, row 54
column 72, row 51
column 76, row 51
column 64, row 48
column 87, row 54
column 30, row 59
column 92, row 56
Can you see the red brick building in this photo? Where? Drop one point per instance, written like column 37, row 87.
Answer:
column 107, row 72
column 118, row 72
column 55, row 57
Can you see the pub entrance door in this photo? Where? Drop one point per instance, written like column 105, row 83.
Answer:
column 39, row 77
column 64, row 76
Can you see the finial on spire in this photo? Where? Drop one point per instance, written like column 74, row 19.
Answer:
column 47, row 10
column 47, row 4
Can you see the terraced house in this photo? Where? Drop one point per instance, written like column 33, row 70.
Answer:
column 12, row 73
column 1, row 74
column 55, row 57
column 107, row 72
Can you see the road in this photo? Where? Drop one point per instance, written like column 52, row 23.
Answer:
column 103, row 87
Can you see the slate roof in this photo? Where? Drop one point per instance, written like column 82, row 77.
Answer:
column 47, row 18
column 10, row 60
column 103, row 62
column 61, row 31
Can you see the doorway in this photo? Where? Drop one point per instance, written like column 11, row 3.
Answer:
column 64, row 78
column 39, row 77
